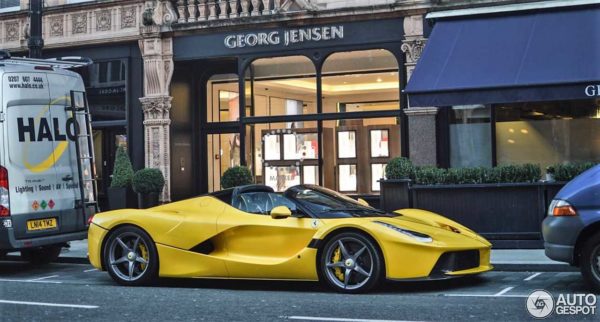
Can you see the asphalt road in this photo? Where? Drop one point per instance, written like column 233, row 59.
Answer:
column 74, row 292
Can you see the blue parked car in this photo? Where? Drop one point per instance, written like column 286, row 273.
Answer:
column 572, row 228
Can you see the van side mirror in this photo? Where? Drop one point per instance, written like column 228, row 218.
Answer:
column 281, row 212
column 363, row 202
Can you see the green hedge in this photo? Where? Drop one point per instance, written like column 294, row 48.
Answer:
column 402, row 168
column 568, row 171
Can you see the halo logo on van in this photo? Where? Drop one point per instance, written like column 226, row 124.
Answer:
column 38, row 129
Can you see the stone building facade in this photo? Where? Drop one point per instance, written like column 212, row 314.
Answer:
column 154, row 25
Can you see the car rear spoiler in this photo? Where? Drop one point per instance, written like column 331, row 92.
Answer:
column 66, row 62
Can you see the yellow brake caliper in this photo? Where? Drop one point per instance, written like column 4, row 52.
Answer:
column 337, row 256
column 144, row 253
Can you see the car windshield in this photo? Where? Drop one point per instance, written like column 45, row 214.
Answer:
column 325, row 203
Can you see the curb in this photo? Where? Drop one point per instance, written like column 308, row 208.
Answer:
column 61, row 260
column 533, row 267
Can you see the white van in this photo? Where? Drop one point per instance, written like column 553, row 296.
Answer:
column 47, row 190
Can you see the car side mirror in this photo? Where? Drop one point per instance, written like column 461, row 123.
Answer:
column 281, row 212
column 363, row 202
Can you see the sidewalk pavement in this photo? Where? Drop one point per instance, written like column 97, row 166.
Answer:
column 502, row 259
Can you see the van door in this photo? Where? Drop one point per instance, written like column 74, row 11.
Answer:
column 31, row 152
column 75, row 127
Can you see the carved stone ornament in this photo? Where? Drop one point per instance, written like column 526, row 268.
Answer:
column 156, row 109
column 79, row 22
column 103, row 20
column 128, row 17
column 12, row 31
column 413, row 49
column 57, row 26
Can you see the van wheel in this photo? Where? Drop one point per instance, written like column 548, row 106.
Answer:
column 590, row 261
column 41, row 255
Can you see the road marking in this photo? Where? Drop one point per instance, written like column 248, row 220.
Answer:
column 484, row 295
column 42, row 278
column 504, row 291
column 77, row 306
column 29, row 281
column 320, row 318
column 532, row 276
column 90, row 270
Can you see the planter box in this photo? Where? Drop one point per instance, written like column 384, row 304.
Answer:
column 509, row 215
column 120, row 198
column 395, row 194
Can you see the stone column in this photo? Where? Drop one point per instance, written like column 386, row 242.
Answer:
column 422, row 125
column 157, row 53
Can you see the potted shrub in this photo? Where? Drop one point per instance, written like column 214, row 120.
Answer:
column 120, row 194
column 148, row 183
column 395, row 192
column 236, row 176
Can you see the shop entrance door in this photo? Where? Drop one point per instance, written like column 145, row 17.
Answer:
column 106, row 141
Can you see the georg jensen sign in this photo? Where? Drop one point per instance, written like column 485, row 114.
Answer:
column 592, row 90
column 285, row 37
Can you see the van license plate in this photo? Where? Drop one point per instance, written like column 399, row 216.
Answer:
column 42, row 224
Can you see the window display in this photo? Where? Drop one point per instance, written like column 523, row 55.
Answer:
column 310, row 174
column 377, row 173
column 346, row 144
column 281, row 178
column 379, row 143
column 272, row 147
column 347, row 175
column 298, row 146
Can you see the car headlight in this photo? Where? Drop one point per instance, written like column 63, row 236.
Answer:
column 413, row 234
column 561, row 208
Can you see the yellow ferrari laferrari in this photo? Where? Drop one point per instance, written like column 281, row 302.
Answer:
column 306, row 233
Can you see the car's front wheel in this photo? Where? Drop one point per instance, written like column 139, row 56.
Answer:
column 590, row 261
column 130, row 256
column 351, row 263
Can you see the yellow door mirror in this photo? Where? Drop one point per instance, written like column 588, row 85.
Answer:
column 280, row 212
column 363, row 202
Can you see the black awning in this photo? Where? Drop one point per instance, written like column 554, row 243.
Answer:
column 553, row 55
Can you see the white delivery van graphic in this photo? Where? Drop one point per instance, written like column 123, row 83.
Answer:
column 47, row 188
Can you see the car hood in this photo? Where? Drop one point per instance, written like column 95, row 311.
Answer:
column 584, row 190
column 413, row 218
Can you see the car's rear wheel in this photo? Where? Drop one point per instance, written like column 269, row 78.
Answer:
column 350, row 263
column 130, row 256
column 590, row 261
column 41, row 255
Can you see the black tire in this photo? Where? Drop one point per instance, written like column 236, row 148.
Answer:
column 114, row 251
column 590, row 261
column 364, row 256
column 41, row 255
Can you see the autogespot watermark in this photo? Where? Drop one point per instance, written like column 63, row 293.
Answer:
column 541, row 304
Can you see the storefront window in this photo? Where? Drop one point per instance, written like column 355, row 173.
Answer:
column 106, row 86
column 365, row 80
column 470, row 136
column 223, row 98
column 548, row 132
column 283, row 154
column 288, row 83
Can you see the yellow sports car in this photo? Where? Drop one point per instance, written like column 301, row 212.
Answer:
column 307, row 233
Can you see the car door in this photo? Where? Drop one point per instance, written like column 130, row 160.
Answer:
column 259, row 246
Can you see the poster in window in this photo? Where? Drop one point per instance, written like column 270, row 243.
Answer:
column 377, row 173
column 347, row 181
column 380, row 144
column 346, row 144
column 272, row 147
